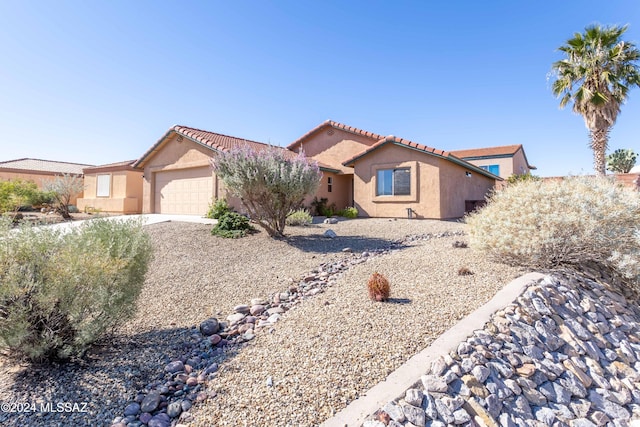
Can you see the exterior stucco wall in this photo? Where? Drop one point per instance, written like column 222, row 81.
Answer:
column 516, row 164
column 424, row 198
column 439, row 188
column 333, row 146
column 172, row 155
column 125, row 193
column 457, row 186
column 341, row 191
column 505, row 163
column 520, row 163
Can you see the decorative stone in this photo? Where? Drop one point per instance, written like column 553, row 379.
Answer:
column 209, row 326
column 150, row 402
column 257, row 309
column 414, row 415
column 235, row 318
column 395, row 412
column 242, row 308
column 435, row 384
column 132, row 409
column 174, row 367
column 331, row 220
column 215, row 339
column 330, row 234
column 414, row 397
column 174, row 409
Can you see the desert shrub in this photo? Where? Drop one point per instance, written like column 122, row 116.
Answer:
column 299, row 217
column 578, row 220
column 60, row 291
column 322, row 208
column 17, row 193
column 64, row 188
column 348, row 212
column 217, row 208
column 232, row 225
column 270, row 182
column 464, row 271
column 520, row 177
column 378, row 287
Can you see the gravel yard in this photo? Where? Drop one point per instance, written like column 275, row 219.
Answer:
column 321, row 355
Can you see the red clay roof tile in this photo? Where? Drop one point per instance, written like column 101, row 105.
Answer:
column 336, row 125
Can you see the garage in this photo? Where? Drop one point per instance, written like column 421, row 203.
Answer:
column 183, row 191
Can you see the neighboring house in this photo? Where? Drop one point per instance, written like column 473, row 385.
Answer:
column 390, row 176
column 38, row 171
column 178, row 178
column 503, row 161
column 116, row 188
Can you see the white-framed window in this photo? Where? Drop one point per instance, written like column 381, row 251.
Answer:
column 393, row 182
column 329, row 184
column 103, row 186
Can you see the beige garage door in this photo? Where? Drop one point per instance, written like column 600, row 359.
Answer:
column 184, row 191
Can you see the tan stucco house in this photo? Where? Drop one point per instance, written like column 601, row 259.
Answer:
column 38, row 170
column 114, row 188
column 387, row 176
column 382, row 176
column 178, row 178
column 503, row 161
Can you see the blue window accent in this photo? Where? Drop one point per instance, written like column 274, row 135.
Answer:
column 494, row 169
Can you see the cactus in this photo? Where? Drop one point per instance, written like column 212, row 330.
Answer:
column 378, row 287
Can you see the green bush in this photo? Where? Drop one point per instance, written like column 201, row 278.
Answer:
column 573, row 222
column 60, row 291
column 349, row 212
column 322, row 208
column 217, row 208
column 299, row 217
column 18, row 193
column 232, row 225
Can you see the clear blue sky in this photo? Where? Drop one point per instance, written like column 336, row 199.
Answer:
column 101, row 81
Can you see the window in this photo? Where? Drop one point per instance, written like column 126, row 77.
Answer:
column 329, row 184
column 103, row 187
column 393, row 182
column 494, row 169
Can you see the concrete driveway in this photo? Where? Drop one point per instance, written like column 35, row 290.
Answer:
column 147, row 219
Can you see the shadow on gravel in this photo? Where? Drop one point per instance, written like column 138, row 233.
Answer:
column 107, row 378
column 401, row 301
column 318, row 243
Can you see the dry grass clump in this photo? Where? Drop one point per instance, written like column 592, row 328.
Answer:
column 569, row 222
column 464, row 271
column 378, row 286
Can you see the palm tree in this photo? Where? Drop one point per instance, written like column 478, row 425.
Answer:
column 596, row 75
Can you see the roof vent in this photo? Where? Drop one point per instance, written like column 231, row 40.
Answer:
column 330, row 132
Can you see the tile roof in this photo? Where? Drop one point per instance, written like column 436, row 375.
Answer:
column 336, row 125
column 212, row 140
column 125, row 165
column 488, row 152
column 40, row 165
column 504, row 150
column 419, row 147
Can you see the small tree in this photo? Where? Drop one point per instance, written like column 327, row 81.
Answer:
column 64, row 188
column 621, row 160
column 270, row 182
